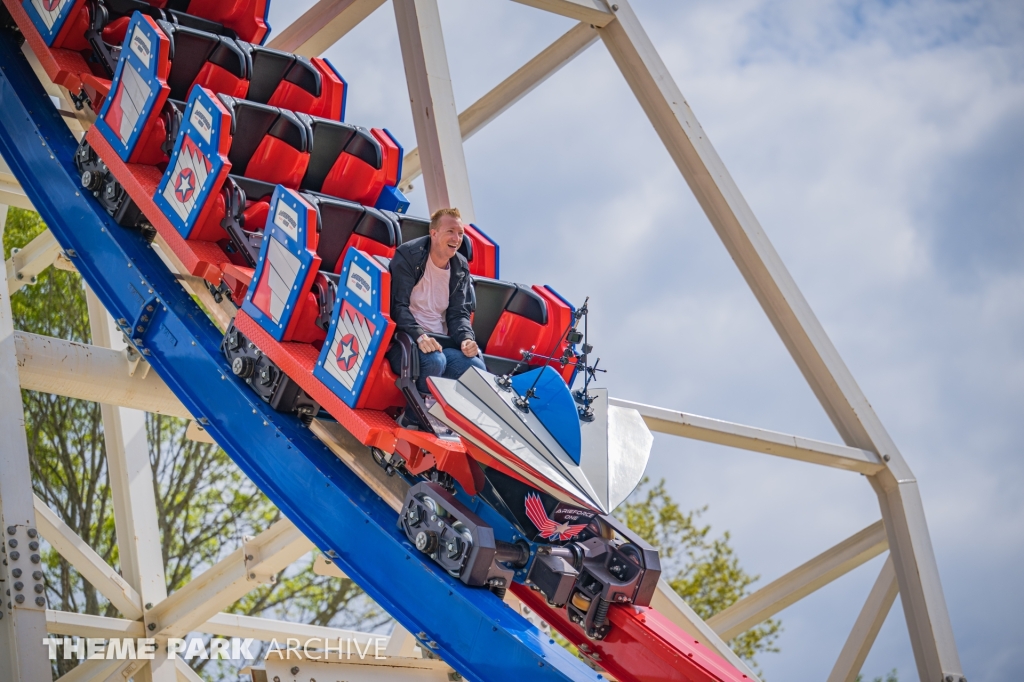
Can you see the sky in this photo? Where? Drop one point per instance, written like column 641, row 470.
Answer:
column 881, row 145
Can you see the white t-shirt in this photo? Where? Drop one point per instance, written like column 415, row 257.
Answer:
column 429, row 300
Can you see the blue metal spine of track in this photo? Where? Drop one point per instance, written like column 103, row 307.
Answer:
column 479, row 636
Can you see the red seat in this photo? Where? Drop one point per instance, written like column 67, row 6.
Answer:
column 98, row 26
column 346, row 224
column 351, row 162
column 511, row 318
column 186, row 58
column 269, row 146
column 281, row 79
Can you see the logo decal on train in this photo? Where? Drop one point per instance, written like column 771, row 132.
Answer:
column 141, row 45
column 352, row 338
column 359, row 283
column 549, row 528
column 190, row 172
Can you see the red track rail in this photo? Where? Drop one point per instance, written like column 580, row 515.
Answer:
column 642, row 645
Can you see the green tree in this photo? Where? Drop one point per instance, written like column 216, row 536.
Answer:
column 702, row 569
column 205, row 504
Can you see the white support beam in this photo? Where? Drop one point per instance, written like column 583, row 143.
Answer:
column 87, row 562
column 510, row 91
column 869, row 623
column 229, row 580
column 931, row 633
column 97, row 627
column 132, row 490
column 754, row 439
column 833, row 563
column 591, row 11
column 26, row 263
column 11, row 193
column 86, row 372
column 185, row 673
column 445, row 177
column 23, row 625
column 322, row 25
column 671, row 605
column 266, row 629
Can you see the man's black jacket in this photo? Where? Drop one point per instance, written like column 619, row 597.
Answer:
column 407, row 268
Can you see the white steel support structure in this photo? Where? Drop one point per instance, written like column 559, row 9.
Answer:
column 924, row 603
column 132, row 491
column 442, row 158
column 106, row 373
column 869, row 622
column 511, row 90
column 23, row 626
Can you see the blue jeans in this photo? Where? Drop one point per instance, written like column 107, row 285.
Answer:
column 450, row 363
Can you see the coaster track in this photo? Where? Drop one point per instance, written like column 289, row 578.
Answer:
column 468, row 627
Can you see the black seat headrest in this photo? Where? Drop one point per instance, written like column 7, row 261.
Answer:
column 412, row 227
column 529, row 304
column 251, row 122
column 303, row 74
column 269, row 68
column 331, row 139
column 492, row 297
column 189, row 50
column 338, row 219
column 377, row 227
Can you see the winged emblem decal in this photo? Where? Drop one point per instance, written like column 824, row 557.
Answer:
column 549, row 529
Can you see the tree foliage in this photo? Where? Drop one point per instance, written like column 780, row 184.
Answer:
column 702, row 569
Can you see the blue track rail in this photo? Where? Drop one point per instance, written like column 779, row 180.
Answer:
column 475, row 633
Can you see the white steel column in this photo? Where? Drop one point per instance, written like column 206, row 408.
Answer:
column 869, row 622
column 445, row 177
column 322, row 25
column 23, row 623
column 93, row 373
column 511, row 90
column 133, row 493
column 807, row 578
column 931, row 633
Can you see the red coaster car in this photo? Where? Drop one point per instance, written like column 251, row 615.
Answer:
column 321, row 282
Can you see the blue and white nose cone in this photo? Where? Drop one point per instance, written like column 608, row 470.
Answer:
column 594, row 464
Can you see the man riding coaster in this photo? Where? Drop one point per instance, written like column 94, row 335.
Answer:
column 430, row 294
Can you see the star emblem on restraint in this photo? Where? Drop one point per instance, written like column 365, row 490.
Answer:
column 348, row 352
column 184, row 186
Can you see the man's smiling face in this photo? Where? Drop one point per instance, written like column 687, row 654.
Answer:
column 446, row 239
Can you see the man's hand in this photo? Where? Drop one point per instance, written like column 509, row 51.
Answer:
column 469, row 348
column 428, row 344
